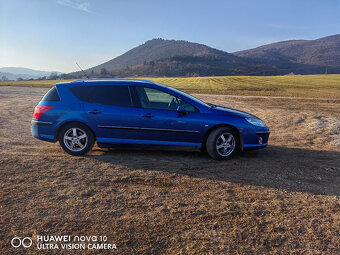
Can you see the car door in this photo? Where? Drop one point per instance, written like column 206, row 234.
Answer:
column 160, row 121
column 110, row 109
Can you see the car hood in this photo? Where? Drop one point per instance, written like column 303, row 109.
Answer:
column 230, row 111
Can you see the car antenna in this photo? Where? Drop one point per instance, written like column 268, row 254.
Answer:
column 83, row 71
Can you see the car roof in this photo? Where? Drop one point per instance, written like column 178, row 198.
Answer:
column 111, row 81
column 116, row 81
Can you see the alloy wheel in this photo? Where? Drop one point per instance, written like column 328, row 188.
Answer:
column 75, row 139
column 225, row 144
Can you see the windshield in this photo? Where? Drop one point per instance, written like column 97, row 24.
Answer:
column 190, row 96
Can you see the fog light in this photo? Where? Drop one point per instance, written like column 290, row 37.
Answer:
column 260, row 140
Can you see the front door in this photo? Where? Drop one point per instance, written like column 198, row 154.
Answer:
column 160, row 121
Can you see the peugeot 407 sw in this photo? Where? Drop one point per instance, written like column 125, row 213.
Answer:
column 117, row 112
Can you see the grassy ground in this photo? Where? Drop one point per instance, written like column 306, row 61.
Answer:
column 313, row 86
column 324, row 86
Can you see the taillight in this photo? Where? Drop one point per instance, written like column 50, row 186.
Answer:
column 40, row 110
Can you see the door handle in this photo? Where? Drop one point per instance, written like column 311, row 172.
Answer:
column 147, row 115
column 95, row 111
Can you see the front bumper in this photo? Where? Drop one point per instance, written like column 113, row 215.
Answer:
column 258, row 140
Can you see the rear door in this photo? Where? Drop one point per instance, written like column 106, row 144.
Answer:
column 111, row 111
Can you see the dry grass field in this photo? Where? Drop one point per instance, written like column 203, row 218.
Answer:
column 279, row 200
column 313, row 86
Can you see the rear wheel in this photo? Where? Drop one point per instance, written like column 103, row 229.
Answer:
column 222, row 143
column 76, row 139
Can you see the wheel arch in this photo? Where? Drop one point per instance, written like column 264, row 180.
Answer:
column 56, row 137
column 239, row 136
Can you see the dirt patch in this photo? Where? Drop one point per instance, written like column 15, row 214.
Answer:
column 282, row 199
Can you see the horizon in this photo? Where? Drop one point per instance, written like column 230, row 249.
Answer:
column 155, row 39
column 49, row 35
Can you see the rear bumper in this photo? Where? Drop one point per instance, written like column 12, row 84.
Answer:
column 43, row 130
column 42, row 123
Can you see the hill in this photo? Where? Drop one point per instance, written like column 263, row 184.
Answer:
column 13, row 73
column 10, row 76
column 159, row 57
column 299, row 56
column 174, row 58
column 156, row 49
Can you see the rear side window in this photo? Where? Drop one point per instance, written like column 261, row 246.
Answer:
column 51, row 95
column 81, row 92
column 115, row 95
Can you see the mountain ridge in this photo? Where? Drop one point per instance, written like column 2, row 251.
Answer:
column 323, row 51
column 14, row 73
column 156, row 49
column 160, row 57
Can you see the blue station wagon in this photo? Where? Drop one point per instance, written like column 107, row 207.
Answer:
column 117, row 112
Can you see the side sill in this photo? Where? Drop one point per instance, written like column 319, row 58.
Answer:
column 146, row 142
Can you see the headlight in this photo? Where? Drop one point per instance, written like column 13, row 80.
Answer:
column 256, row 122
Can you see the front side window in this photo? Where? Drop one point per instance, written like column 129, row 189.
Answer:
column 155, row 99
column 115, row 95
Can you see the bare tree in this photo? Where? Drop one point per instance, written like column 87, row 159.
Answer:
column 53, row 76
column 103, row 72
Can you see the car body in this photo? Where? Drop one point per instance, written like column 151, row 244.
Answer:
column 140, row 112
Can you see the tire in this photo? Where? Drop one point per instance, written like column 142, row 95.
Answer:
column 76, row 139
column 222, row 143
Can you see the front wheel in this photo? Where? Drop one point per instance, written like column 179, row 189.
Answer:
column 222, row 143
column 76, row 139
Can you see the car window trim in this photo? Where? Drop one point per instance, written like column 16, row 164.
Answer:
column 131, row 101
column 135, row 97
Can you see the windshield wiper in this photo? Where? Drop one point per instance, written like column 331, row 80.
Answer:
column 212, row 105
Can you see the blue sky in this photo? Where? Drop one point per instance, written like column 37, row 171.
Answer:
column 54, row 34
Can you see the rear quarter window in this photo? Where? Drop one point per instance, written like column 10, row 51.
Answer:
column 81, row 93
column 51, row 95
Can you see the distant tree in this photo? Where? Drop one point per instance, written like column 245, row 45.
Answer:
column 92, row 74
column 20, row 79
column 63, row 76
column 192, row 75
column 53, row 76
column 103, row 71
column 4, row 78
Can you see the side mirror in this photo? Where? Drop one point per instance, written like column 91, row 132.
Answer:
column 181, row 110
